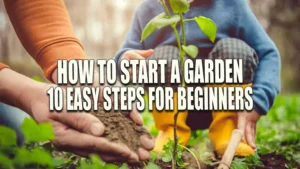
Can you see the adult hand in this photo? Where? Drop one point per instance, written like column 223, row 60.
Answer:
column 80, row 133
column 147, row 144
column 247, row 124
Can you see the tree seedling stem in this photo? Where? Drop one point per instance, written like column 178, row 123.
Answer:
column 207, row 26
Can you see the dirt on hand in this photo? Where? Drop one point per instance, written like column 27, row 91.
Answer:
column 119, row 128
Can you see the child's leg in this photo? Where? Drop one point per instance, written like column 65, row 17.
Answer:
column 224, row 122
column 164, row 120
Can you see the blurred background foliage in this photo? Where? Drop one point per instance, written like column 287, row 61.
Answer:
column 101, row 26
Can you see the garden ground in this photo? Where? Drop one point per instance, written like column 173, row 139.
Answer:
column 278, row 142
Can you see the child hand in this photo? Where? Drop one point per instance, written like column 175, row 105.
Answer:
column 247, row 124
column 137, row 54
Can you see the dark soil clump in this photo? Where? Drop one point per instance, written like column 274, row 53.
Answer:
column 119, row 128
column 272, row 161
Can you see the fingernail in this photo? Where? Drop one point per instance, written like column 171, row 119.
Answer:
column 97, row 129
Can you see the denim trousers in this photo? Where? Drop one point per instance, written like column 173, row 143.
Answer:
column 13, row 118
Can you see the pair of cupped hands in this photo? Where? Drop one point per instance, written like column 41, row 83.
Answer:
column 81, row 133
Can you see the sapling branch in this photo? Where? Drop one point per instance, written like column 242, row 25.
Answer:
column 177, row 39
column 182, row 55
column 165, row 7
column 177, row 113
column 186, row 20
column 182, row 29
column 182, row 52
column 205, row 24
column 175, row 138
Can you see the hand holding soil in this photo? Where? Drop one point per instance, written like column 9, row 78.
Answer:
column 121, row 129
column 84, row 134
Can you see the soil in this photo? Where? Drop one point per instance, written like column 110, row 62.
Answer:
column 119, row 128
column 271, row 161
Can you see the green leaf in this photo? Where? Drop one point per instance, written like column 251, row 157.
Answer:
column 153, row 156
column 34, row 132
column 124, row 166
column 191, row 50
column 5, row 161
column 208, row 27
column 158, row 22
column 110, row 166
column 180, row 162
column 152, row 166
column 238, row 163
column 8, row 136
column 166, row 157
column 179, row 153
column 83, row 165
column 58, row 162
column 163, row 20
column 254, row 160
column 148, row 30
column 169, row 146
column 37, row 156
column 180, row 6
column 97, row 162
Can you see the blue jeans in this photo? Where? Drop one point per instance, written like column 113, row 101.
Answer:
column 13, row 117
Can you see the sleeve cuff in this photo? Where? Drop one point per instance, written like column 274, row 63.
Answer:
column 59, row 51
column 118, row 59
column 2, row 66
column 259, row 106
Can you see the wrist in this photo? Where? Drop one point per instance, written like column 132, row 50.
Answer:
column 3, row 90
column 17, row 90
column 54, row 76
column 9, row 88
column 29, row 96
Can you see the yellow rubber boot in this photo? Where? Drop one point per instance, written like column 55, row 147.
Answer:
column 164, row 122
column 220, row 132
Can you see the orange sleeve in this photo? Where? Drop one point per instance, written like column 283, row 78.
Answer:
column 45, row 30
column 2, row 66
